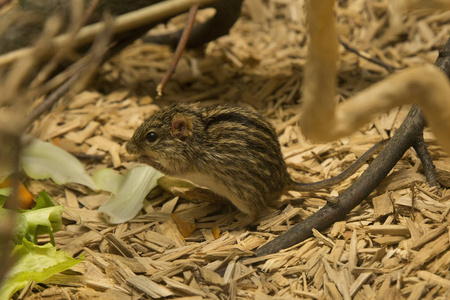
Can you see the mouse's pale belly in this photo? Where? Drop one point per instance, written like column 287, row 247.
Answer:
column 208, row 182
column 218, row 188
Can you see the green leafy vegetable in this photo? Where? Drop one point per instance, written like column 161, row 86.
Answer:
column 44, row 200
column 41, row 160
column 130, row 192
column 21, row 228
column 43, row 218
column 36, row 263
column 5, row 191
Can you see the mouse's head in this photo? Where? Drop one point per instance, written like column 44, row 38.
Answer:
column 169, row 139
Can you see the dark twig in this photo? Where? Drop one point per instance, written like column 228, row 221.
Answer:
column 363, row 186
column 180, row 48
column 376, row 61
column 85, row 156
column 408, row 135
column 443, row 60
column 425, row 158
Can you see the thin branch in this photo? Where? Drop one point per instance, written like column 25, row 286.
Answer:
column 425, row 158
column 123, row 23
column 180, row 48
column 323, row 119
column 54, row 63
column 388, row 67
column 86, row 66
column 89, row 12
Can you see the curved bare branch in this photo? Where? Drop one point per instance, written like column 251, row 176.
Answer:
column 323, row 120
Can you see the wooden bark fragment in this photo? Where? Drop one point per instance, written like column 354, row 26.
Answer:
column 429, row 236
column 434, row 278
column 124, row 248
column 443, row 172
column 399, row 180
column 388, row 229
column 183, row 287
column 382, row 205
column 151, row 288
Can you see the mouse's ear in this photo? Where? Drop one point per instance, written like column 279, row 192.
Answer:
column 181, row 127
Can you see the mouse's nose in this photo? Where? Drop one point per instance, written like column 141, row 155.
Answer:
column 131, row 147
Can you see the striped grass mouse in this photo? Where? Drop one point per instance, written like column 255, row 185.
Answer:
column 231, row 150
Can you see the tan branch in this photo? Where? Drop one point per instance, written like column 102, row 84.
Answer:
column 122, row 23
column 323, row 120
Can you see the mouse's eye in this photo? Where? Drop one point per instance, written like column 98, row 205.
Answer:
column 151, row 136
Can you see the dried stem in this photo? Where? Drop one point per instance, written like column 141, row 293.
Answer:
column 180, row 48
column 84, row 68
column 54, row 63
column 324, row 120
column 122, row 23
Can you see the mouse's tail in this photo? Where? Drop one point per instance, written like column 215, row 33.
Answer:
column 327, row 183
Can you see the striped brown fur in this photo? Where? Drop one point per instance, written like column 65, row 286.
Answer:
column 234, row 146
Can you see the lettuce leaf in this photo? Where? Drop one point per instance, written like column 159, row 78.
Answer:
column 108, row 180
column 36, row 263
column 129, row 190
column 42, row 160
column 5, row 191
column 43, row 218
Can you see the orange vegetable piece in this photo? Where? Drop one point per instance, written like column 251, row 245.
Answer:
column 24, row 197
